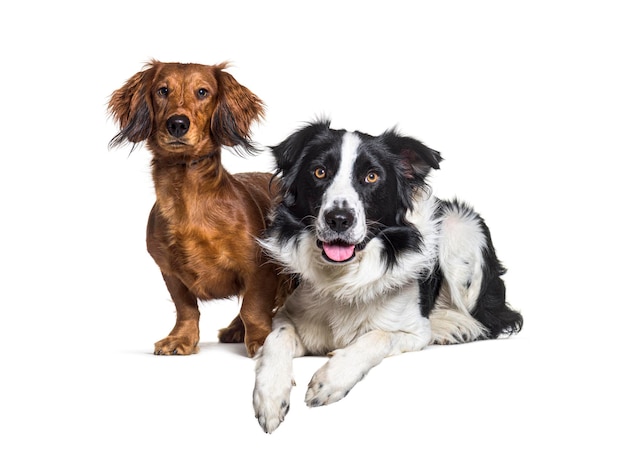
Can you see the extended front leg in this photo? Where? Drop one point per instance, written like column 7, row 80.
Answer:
column 274, row 374
column 347, row 366
column 183, row 339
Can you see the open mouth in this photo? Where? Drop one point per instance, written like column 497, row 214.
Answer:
column 338, row 251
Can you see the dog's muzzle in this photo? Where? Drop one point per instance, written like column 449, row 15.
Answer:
column 335, row 239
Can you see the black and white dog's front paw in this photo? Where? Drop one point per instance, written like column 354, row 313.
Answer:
column 271, row 397
column 334, row 380
column 270, row 410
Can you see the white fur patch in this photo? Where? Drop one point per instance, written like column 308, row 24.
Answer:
column 461, row 244
column 341, row 192
column 461, row 255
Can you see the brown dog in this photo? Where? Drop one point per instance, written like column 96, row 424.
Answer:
column 203, row 227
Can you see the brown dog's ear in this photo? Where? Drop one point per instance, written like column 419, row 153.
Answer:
column 131, row 108
column 237, row 107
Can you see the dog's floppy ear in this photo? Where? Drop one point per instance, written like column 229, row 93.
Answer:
column 416, row 159
column 288, row 152
column 237, row 107
column 131, row 108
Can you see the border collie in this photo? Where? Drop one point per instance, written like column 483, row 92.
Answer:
column 381, row 265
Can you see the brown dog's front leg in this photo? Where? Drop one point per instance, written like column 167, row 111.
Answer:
column 257, row 308
column 183, row 339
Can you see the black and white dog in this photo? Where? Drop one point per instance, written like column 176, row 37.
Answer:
column 382, row 266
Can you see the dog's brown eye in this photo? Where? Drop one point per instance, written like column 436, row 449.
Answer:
column 372, row 177
column 320, row 173
column 203, row 93
column 162, row 92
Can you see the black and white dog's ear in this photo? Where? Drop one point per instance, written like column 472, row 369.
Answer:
column 416, row 159
column 289, row 152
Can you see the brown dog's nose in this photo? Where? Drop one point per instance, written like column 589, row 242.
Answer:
column 178, row 125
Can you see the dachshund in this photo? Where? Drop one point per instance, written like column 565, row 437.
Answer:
column 203, row 228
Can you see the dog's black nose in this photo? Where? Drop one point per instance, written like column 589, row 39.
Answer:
column 178, row 125
column 339, row 220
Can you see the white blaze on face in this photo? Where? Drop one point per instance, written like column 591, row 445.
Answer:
column 341, row 194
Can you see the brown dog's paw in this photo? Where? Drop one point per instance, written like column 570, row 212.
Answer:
column 252, row 348
column 234, row 333
column 173, row 345
column 254, row 339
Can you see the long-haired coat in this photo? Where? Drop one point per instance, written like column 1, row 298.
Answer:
column 203, row 227
column 383, row 266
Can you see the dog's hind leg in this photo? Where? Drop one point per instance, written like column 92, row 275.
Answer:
column 472, row 303
column 183, row 339
column 234, row 333
column 452, row 326
column 492, row 310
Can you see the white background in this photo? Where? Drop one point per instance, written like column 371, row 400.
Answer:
column 525, row 100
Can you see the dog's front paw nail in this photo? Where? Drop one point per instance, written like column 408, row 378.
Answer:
column 331, row 383
column 269, row 420
column 175, row 345
column 270, row 410
column 319, row 394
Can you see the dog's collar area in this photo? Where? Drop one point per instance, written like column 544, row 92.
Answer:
column 189, row 163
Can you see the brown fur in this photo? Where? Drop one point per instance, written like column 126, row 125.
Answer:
column 202, row 229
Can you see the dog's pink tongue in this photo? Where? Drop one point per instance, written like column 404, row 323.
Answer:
column 337, row 252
